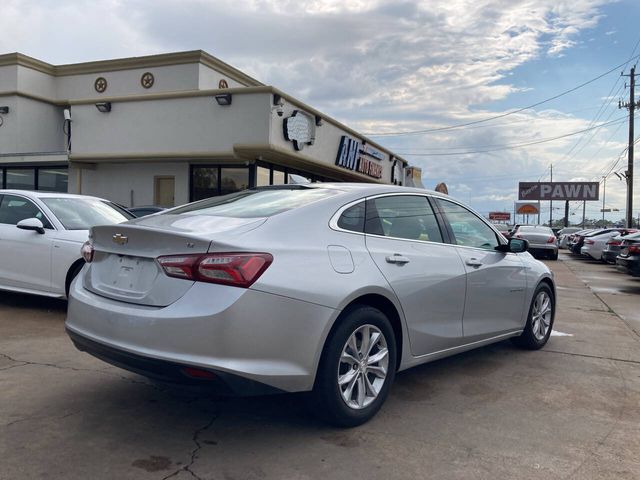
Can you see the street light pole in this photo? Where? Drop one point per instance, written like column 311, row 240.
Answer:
column 604, row 195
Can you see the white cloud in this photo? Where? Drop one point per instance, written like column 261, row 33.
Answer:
column 378, row 65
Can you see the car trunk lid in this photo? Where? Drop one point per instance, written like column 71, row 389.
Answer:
column 124, row 265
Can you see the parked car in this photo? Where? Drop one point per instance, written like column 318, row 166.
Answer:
column 577, row 240
column 40, row 238
column 503, row 228
column 595, row 244
column 629, row 259
column 542, row 241
column 565, row 234
column 143, row 211
column 613, row 246
column 329, row 288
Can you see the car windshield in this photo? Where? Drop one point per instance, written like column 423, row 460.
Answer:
column 84, row 213
column 255, row 203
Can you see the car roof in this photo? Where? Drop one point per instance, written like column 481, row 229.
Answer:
column 40, row 194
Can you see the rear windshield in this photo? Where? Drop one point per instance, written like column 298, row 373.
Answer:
column 535, row 229
column 84, row 213
column 255, row 203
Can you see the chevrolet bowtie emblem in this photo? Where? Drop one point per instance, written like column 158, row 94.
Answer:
column 120, row 239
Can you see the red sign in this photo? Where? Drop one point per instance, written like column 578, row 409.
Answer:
column 500, row 216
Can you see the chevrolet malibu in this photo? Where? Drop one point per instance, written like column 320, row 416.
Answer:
column 324, row 288
column 40, row 238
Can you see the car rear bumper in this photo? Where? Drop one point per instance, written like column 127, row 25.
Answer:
column 629, row 265
column 610, row 256
column 269, row 339
column 170, row 372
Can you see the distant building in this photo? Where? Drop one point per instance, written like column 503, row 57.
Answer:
column 168, row 129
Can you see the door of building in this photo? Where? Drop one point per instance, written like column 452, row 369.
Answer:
column 164, row 191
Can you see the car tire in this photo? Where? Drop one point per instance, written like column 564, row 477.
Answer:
column 538, row 328
column 352, row 384
column 73, row 273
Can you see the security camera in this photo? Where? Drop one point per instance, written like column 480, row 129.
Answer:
column 280, row 110
column 67, row 114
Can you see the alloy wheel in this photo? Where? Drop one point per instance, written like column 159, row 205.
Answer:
column 363, row 366
column 541, row 315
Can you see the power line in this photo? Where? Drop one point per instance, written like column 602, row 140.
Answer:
column 502, row 115
column 515, row 145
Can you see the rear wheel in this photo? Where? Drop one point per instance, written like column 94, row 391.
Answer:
column 357, row 368
column 537, row 331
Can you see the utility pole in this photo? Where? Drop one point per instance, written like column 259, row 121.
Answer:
column 584, row 211
column 551, row 203
column 604, row 195
column 631, row 106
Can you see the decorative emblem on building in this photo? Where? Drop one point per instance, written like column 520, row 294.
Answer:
column 300, row 128
column 353, row 155
column 147, row 79
column 100, row 84
column 223, row 83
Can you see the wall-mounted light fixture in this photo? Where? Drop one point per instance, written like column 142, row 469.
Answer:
column 4, row 110
column 223, row 99
column 103, row 107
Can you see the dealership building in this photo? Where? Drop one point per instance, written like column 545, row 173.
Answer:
column 168, row 129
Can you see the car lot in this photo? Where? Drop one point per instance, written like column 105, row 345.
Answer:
column 571, row 410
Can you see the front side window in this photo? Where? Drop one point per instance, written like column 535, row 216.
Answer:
column 13, row 209
column 468, row 229
column 404, row 216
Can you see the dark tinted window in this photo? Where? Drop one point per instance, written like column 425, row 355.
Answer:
column 468, row 229
column 353, row 218
column 14, row 209
column 403, row 216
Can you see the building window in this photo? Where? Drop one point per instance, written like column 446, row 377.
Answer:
column 53, row 179
column 211, row 181
column 263, row 176
column 233, row 180
column 279, row 177
column 48, row 179
column 21, row 178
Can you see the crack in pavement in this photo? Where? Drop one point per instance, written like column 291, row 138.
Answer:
column 633, row 362
column 23, row 363
column 194, row 452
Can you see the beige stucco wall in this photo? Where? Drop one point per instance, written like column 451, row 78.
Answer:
column 122, row 182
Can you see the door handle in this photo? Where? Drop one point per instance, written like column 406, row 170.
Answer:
column 473, row 262
column 397, row 258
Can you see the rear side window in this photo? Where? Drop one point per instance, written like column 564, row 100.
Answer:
column 255, row 203
column 353, row 218
column 403, row 216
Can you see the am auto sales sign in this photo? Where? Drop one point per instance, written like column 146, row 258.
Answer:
column 558, row 190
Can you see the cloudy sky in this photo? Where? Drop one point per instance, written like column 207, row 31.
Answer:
column 392, row 67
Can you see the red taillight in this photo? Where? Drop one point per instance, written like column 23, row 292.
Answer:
column 237, row 269
column 87, row 251
column 613, row 243
column 589, row 242
column 552, row 239
column 634, row 248
column 198, row 373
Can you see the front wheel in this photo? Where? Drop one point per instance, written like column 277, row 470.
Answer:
column 537, row 331
column 357, row 368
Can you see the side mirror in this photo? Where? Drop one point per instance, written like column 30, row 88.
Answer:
column 515, row 245
column 31, row 224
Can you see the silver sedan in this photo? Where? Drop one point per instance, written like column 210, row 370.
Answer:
column 328, row 288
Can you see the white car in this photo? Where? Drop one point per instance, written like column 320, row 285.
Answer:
column 40, row 238
column 594, row 245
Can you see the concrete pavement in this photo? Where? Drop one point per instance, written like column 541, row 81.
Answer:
column 569, row 411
